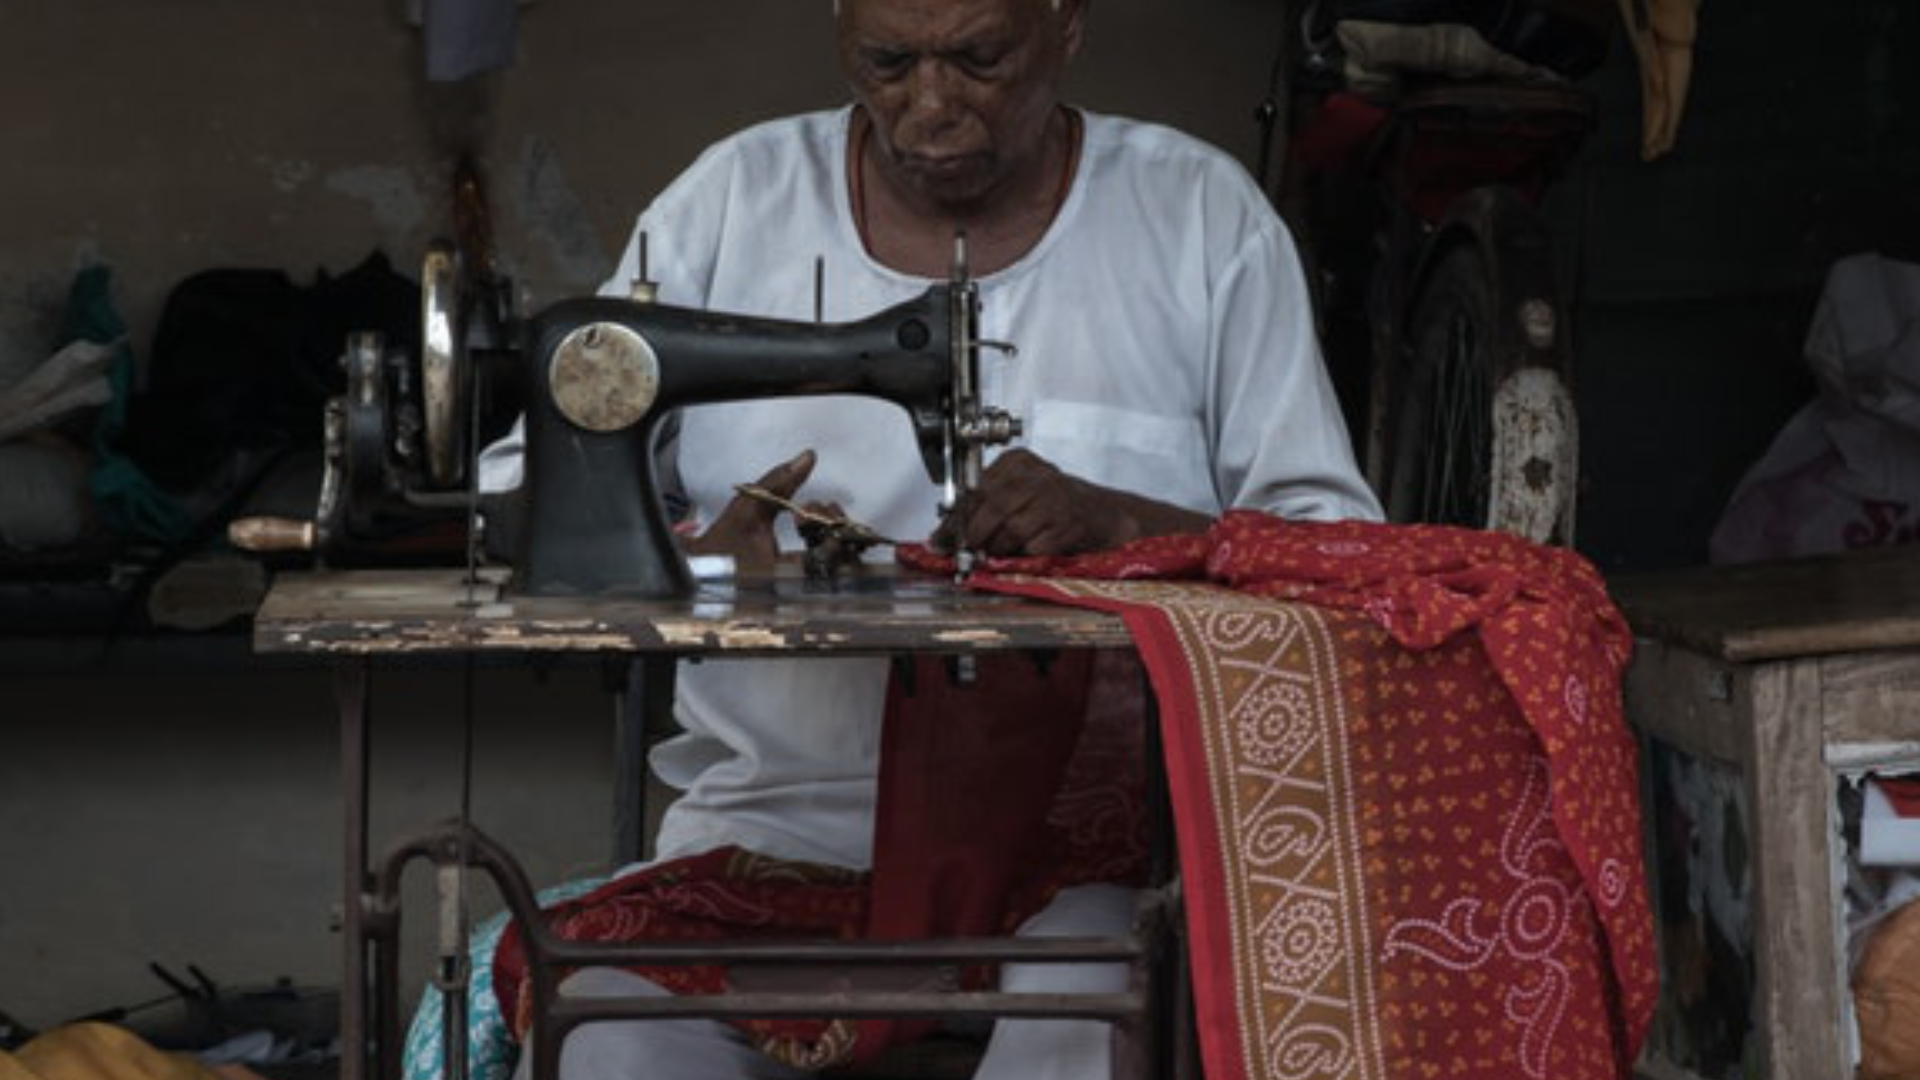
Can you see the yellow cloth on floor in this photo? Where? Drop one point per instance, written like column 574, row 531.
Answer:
column 96, row 1051
column 1662, row 32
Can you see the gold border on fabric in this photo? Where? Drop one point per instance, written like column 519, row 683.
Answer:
column 1266, row 683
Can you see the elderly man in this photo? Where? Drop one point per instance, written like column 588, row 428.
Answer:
column 1167, row 371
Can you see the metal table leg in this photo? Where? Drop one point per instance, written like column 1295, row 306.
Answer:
column 350, row 694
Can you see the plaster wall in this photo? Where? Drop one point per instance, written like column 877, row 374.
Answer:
column 303, row 134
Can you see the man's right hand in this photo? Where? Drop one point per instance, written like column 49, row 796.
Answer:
column 744, row 529
column 1025, row 505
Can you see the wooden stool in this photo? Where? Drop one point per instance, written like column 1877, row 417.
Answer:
column 1761, row 692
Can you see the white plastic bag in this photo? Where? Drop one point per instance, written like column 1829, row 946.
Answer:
column 76, row 377
column 1844, row 473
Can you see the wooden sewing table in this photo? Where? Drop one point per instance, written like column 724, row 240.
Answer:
column 359, row 617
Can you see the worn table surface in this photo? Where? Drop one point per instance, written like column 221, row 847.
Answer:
column 874, row 610
column 1768, row 611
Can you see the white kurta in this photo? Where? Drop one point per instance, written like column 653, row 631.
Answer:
column 1165, row 346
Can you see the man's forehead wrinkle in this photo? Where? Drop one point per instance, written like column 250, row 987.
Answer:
column 939, row 50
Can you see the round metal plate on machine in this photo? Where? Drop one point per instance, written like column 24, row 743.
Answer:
column 604, row 377
column 442, row 365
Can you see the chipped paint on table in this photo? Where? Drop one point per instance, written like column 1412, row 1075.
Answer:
column 373, row 612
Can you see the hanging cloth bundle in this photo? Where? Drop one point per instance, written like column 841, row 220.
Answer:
column 1662, row 32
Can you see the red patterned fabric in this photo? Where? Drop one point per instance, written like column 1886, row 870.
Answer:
column 1404, row 794
column 1056, row 740
column 727, row 894
column 1406, row 797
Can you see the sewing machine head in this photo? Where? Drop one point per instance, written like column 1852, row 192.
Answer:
column 606, row 372
column 596, row 377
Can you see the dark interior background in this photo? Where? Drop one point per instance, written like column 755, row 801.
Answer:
column 174, row 800
column 1698, row 272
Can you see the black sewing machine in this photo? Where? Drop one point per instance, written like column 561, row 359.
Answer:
column 595, row 378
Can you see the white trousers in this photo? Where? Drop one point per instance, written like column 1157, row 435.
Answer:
column 703, row 1049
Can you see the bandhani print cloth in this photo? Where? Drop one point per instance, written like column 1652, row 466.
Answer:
column 725, row 894
column 1047, row 738
column 1404, row 792
column 1405, row 798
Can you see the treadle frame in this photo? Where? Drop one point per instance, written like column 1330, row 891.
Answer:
column 359, row 617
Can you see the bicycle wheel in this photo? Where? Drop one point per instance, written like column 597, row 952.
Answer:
column 1483, row 430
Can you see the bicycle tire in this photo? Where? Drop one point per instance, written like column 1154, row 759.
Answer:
column 1482, row 431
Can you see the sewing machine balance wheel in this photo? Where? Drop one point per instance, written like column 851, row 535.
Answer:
column 399, row 439
column 400, row 442
column 444, row 371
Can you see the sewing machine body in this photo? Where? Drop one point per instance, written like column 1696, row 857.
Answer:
column 607, row 372
column 596, row 378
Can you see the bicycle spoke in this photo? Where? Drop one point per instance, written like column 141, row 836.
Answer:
column 1457, row 429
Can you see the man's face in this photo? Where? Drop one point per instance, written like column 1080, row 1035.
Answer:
column 960, row 91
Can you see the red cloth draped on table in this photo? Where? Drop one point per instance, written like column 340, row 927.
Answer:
column 1405, row 795
column 1405, row 799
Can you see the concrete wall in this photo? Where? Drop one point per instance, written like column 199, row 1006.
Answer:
column 186, row 811
column 302, row 134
